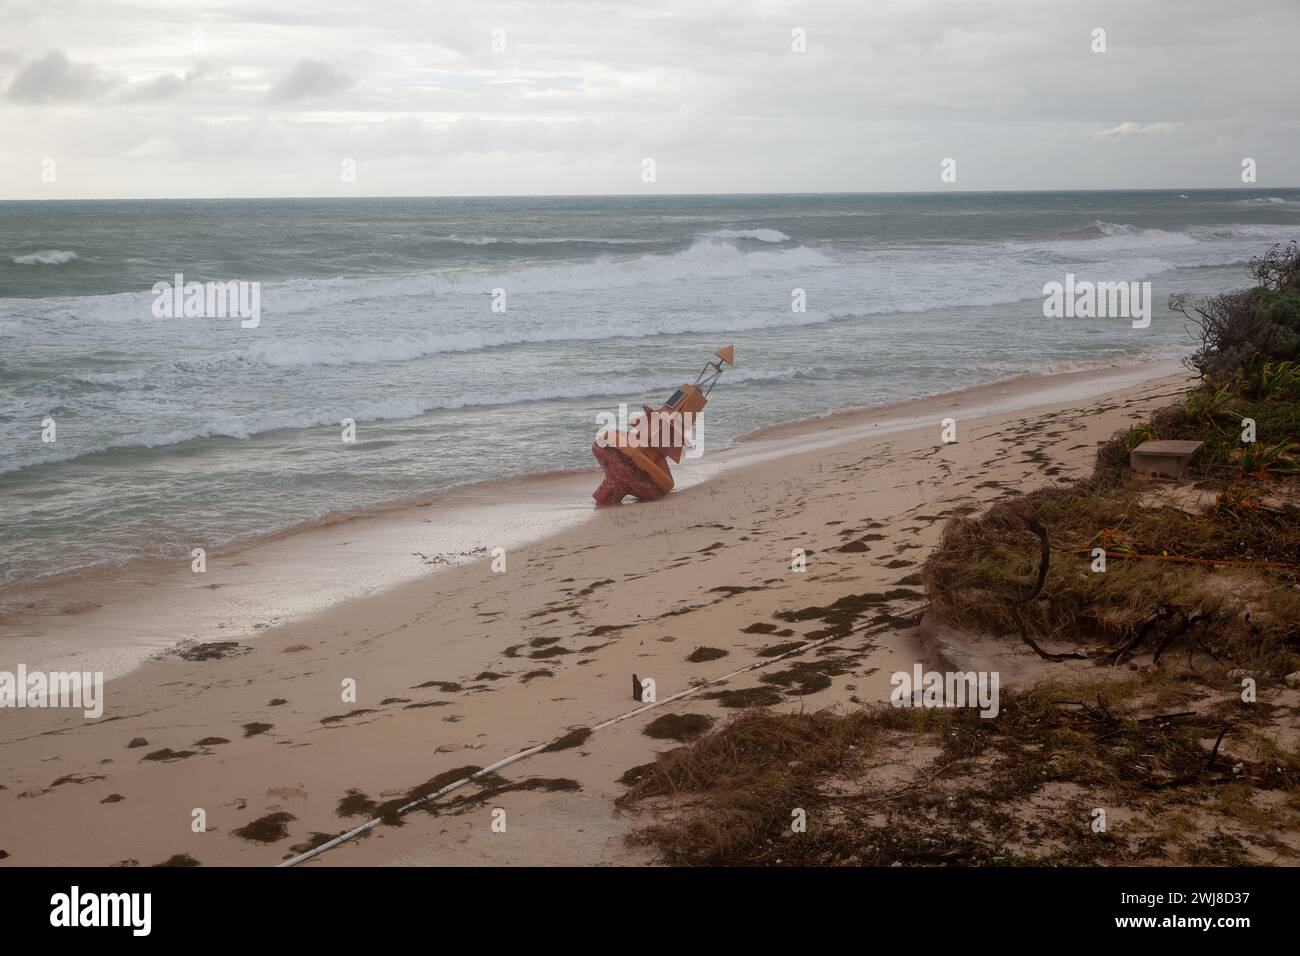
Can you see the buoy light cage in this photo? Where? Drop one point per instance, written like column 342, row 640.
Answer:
column 634, row 462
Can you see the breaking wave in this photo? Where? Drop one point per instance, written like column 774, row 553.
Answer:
column 760, row 235
column 48, row 257
column 243, row 427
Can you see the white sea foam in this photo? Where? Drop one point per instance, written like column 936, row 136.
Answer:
column 1241, row 231
column 249, row 425
column 537, row 240
column 704, row 259
column 1119, row 236
column 1272, row 203
column 350, row 351
column 373, row 320
column 761, row 235
column 48, row 257
column 1113, row 228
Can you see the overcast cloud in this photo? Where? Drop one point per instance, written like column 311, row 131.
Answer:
column 173, row 98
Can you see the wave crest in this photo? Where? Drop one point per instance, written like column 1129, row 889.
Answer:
column 759, row 235
column 46, row 257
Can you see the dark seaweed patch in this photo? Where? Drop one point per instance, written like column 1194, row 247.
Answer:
column 748, row 697
column 168, row 754
column 267, row 829
column 446, row 686
column 574, row 738
column 679, row 727
column 213, row 651
column 355, row 804
column 776, row 650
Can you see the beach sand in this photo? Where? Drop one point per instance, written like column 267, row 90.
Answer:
column 458, row 667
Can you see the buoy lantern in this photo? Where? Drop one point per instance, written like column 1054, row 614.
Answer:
column 636, row 461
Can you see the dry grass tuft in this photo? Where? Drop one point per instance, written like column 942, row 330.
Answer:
column 1251, row 615
column 1017, row 789
column 749, row 774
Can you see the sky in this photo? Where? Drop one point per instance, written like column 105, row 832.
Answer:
column 112, row 99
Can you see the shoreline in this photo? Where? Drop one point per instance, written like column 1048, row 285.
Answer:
column 152, row 606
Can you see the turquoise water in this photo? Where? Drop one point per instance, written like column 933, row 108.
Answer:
column 174, row 433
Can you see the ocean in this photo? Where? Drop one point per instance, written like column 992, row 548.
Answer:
column 175, row 433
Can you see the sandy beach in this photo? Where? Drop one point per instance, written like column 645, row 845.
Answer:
column 456, row 667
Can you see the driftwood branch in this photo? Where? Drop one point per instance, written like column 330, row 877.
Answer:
column 1196, row 775
column 1014, row 603
column 1169, row 622
column 1215, row 752
column 1196, row 620
column 1163, row 612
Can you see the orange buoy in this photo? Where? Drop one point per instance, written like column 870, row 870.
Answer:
column 636, row 461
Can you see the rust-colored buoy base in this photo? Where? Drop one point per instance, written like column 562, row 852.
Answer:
column 622, row 478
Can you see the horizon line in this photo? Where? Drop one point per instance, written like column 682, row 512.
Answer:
column 642, row 195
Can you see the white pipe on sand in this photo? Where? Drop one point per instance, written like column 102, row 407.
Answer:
column 406, row 808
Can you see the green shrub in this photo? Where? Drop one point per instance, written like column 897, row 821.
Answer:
column 1244, row 328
